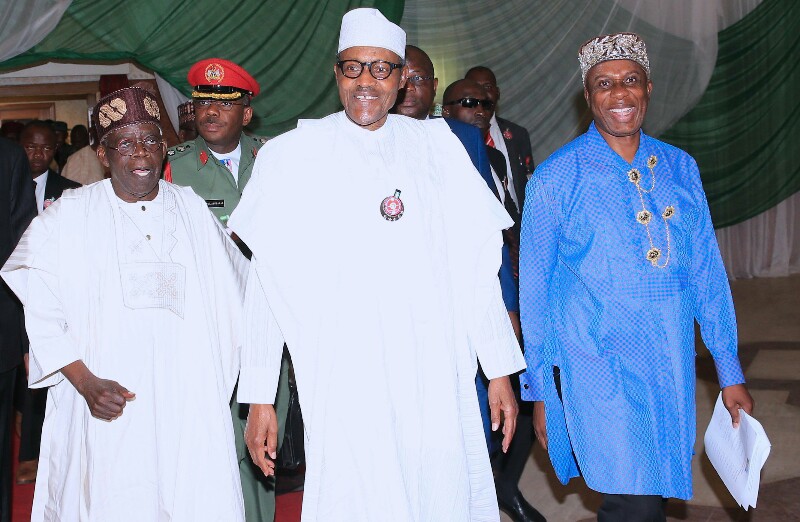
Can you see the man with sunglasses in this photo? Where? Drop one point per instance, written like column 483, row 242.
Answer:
column 467, row 101
column 384, row 304
column 217, row 165
column 132, row 293
column 512, row 140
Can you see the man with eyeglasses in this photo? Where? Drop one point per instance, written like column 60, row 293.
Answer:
column 132, row 300
column 217, row 164
column 509, row 138
column 39, row 141
column 383, row 305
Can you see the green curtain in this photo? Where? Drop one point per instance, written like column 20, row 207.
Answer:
column 288, row 46
column 745, row 132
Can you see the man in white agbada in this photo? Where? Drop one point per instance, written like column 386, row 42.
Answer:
column 376, row 247
column 132, row 300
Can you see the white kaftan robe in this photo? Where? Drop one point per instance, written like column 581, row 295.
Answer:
column 148, row 295
column 383, row 319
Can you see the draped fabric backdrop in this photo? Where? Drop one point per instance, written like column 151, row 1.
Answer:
column 24, row 24
column 725, row 75
column 532, row 47
column 288, row 46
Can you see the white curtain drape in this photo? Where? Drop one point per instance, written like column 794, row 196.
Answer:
column 767, row 245
column 171, row 97
column 532, row 47
column 23, row 24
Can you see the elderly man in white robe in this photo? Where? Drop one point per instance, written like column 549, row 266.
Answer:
column 132, row 295
column 376, row 247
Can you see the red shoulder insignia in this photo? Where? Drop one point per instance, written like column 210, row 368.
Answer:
column 168, row 172
column 203, row 157
column 255, row 152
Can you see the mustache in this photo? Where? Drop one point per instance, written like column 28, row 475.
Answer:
column 209, row 120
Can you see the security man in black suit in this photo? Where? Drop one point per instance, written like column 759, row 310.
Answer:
column 38, row 139
column 468, row 101
column 516, row 142
column 17, row 209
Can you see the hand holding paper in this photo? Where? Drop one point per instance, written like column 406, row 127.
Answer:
column 738, row 454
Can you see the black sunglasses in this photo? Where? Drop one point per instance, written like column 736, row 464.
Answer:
column 471, row 103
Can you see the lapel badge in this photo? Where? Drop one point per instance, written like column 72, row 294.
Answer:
column 203, row 157
column 507, row 134
column 214, row 73
column 392, row 207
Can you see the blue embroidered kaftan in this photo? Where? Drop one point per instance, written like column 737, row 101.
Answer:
column 621, row 330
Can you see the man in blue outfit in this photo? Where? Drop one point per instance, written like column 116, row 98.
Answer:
column 618, row 259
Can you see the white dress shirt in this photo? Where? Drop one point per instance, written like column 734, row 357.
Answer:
column 500, row 144
column 41, row 182
column 234, row 155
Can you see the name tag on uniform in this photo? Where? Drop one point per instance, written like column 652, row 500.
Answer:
column 215, row 203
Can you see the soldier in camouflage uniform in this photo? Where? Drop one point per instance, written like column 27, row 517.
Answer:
column 217, row 165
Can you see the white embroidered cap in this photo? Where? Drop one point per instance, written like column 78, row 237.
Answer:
column 365, row 27
column 619, row 46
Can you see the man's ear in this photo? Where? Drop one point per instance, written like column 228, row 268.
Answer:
column 247, row 115
column 101, row 155
column 435, row 86
column 403, row 77
column 445, row 111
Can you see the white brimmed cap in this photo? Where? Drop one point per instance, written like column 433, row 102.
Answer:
column 365, row 27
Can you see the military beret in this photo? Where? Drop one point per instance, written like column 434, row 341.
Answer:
column 218, row 79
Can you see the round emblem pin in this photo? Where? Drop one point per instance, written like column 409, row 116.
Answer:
column 392, row 207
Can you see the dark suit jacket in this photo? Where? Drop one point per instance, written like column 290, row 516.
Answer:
column 476, row 148
column 56, row 184
column 518, row 144
column 473, row 141
column 498, row 162
column 17, row 209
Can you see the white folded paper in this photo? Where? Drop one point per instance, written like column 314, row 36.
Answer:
column 738, row 454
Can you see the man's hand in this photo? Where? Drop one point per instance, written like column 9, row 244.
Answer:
column 105, row 398
column 501, row 398
column 261, row 437
column 736, row 397
column 540, row 423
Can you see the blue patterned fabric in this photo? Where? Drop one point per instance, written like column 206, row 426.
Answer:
column 621, row 330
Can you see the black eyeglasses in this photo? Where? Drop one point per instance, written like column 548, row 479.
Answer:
column 127, row 147
column 224, row 105
column 417, row 79
column 379, row 69
column 471, row 103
